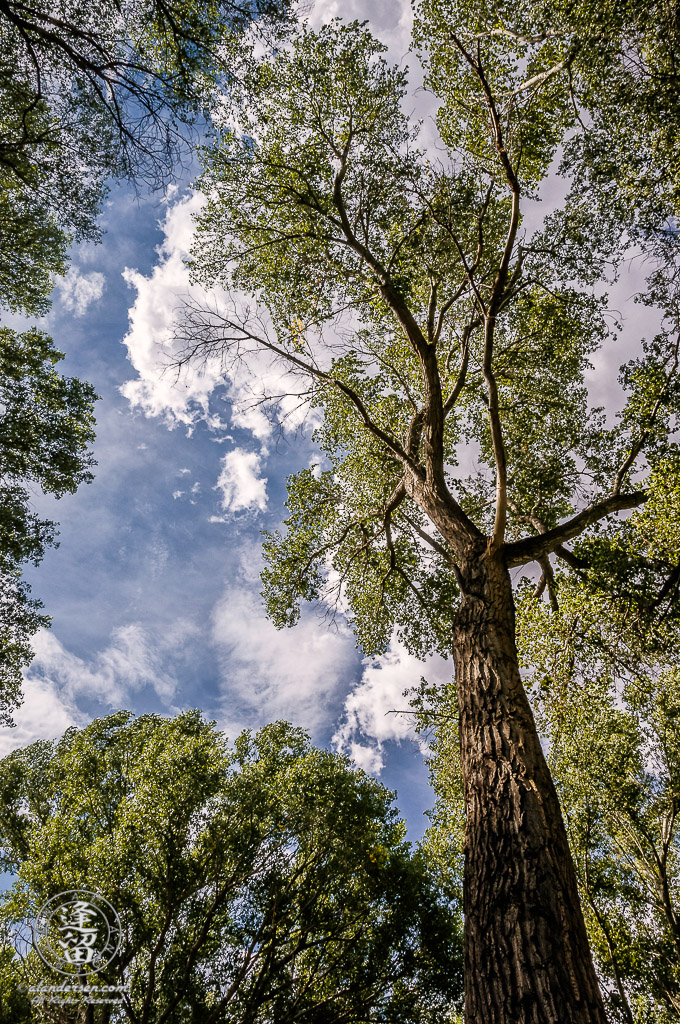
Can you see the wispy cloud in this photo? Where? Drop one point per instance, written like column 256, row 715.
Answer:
column 130, row 661
column 58, row 679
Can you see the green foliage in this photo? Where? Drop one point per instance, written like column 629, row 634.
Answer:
column 15, row 1007
column 47, row 421
column 608, row 68
column 436, row 719
column 322, row 207
column 273, row 183
column 535, row 118
column 46, row 427
column 263, row 881
column 92, row 92
column 32, row 251
column 608, row 706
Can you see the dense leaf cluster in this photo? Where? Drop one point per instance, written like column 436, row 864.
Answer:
column 261, row 881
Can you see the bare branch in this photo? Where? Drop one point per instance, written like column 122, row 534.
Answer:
column 549, row 577
column 570, row 558
column 464, row 362
column 431, row 310
column 669, row 589
column 439, row 548
column 519, row 37
column 538, row 79
column 244, row 333
column 498, row 292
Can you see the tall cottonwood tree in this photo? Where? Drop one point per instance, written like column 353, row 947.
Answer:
column 456, row 334
column 609, row 705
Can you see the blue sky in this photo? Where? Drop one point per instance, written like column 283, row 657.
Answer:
column 154, row 590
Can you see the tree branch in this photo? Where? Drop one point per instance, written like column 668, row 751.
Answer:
column 637, row 446
column 538, row 79
column 462, row 372
column 439, row 548
column 531, row 549
column 243, row 333
column 495, row 301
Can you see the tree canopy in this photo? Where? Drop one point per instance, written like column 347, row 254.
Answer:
column 267, row 880
column 94, row 92
column 314, row 206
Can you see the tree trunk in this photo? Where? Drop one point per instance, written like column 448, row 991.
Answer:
column 527, row 958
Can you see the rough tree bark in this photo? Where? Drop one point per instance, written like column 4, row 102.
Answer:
column 527, row 957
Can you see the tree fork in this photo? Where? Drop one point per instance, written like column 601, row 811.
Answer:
column 527, row 956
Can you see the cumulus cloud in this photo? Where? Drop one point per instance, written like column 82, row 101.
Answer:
column 253, row 385
column 239, row 480
column 77, row 291
column 376, row 709
column 369, row 758
column 295, row 674
column 183, row 398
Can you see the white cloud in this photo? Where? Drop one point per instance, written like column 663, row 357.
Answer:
column 131, row 661
column 45, row 714
column 158, row 390
column 391, row 20
column 377, row 710
column 182, row 397
column 294, row 674
column 57, row 678
column 77, row 291
column 366, row 757
column 240, row 482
